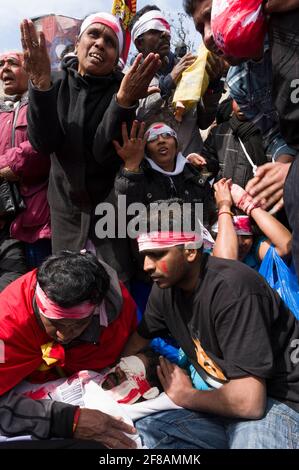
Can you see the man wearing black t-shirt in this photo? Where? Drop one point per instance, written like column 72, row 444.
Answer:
column 240, row 337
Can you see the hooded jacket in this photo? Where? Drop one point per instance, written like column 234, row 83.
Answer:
column 30, row 166
column 75, row 121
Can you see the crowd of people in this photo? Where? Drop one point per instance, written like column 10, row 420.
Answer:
column 181, row 331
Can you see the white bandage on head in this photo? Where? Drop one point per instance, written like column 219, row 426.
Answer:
column 151, row 20
column 136, row 385
column 106, row 19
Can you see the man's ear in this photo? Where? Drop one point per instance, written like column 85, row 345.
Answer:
column 191, row 255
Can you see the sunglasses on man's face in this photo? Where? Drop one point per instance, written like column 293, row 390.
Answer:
column 154, row 137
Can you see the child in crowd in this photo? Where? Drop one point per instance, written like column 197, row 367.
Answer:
column 235, row 233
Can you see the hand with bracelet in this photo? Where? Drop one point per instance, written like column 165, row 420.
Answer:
column 132, row 150
column 226, row 245
column 223, row 196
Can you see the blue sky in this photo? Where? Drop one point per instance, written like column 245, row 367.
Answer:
column 13, row 11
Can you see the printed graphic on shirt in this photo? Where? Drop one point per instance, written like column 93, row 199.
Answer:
column 210, row 372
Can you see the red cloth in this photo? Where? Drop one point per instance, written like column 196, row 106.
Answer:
column 23, row 337
column 239, row 27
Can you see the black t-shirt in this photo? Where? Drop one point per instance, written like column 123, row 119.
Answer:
column 234, row 325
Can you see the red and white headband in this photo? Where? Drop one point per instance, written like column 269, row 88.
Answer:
column 159, row 240
column 106, row 19
column 12, row 54
column 158, row 129
column 151, row 20
column 242, row 225
column 53, row 311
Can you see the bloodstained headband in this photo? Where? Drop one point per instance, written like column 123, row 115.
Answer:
column 158, row 240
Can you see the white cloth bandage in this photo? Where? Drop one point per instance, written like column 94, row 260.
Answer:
column 106, row 19
column 151, row 20
column 135, row 386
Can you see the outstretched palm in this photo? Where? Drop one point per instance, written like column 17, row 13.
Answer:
column 132, row 150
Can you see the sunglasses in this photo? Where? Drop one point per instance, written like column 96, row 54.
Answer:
column 154, row 137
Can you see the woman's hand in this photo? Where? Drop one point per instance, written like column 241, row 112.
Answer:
column 132, row 150
column 135, row 84
column 223, row 195
column 36, row 59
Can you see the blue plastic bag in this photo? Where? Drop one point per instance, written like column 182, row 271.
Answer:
column 282, row 278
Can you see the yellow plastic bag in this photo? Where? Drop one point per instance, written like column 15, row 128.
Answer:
column 193, row 84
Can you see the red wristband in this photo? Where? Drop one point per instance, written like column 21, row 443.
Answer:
column 76, row 418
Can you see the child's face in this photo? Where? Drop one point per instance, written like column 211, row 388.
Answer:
column 245, row 245
column 163, row 151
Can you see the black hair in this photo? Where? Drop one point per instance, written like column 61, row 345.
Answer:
column 224, row 111
column 141, row 12
column 151, row 368
column 190, row 6
column 69, row 278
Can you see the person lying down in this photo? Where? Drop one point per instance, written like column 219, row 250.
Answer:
column 130, row 390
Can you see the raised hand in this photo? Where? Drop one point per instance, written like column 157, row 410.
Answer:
column 223, row 195
column 267, row 187
column 181, row 66
column 136, row 82
column 132, row 150
column 36, row 59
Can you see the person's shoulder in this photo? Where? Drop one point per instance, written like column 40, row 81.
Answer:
column 234, row 276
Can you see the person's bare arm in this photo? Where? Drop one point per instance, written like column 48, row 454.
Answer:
column 243, row 398
column 276, row 233
column 226, row 244
column 135, row 344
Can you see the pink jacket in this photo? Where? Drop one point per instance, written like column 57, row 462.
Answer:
column 31, row 167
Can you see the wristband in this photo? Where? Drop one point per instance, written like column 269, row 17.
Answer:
column 225, row 212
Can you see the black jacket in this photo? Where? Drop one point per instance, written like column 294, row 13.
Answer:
column 12, row 259
column 223, row 144
column 76, row 121
column 150, row 185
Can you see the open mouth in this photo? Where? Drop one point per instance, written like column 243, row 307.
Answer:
column 97, row 57
column 163, row 151
column 7, row 80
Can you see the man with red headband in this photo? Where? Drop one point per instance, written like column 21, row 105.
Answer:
column 236, row 332
column 70, row 315
column 151, row 33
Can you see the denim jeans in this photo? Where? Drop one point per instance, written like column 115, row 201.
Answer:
column 184, row 429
